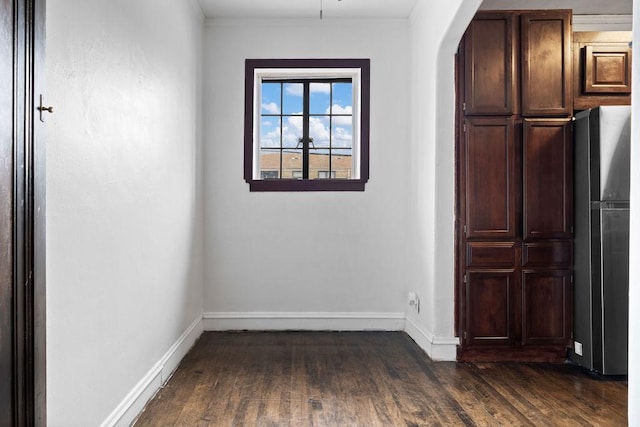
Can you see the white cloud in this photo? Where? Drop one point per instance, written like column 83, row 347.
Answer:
column 297, row 89
column 319, row 131
column 320, row 88
column 318, row 128
column 342, row 137
column 294, row 89
column 271, row 139
column 271, row 108
column 341, row 120
column 338, row 109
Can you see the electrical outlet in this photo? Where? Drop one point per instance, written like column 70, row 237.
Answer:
column 577, row 348
column 412, row 298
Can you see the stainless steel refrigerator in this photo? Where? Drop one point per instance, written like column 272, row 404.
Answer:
column 601, row 245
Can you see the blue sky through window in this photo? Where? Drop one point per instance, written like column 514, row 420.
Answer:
column 281, row 110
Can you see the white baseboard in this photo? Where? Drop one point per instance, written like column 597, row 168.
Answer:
column 131, row 406
column 234, row 321
column 438, row 348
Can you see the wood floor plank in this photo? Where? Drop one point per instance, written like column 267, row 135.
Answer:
column 369, row 379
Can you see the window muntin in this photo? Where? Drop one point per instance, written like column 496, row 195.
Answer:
column 309, row 121
column 317, row 118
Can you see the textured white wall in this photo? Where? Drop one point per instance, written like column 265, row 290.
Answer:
column 435, row 34
column 124, row 242
column 305, row 252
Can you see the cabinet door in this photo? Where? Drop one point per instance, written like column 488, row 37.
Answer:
column 547, row 307
column 489, row 184
column 607, row 69
column 491, row 300
column 547, row 179
column 546, row 63
column 601, row 68
column 491, row 66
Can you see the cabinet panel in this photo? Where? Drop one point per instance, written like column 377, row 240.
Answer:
column 547, row 179
column 491, row 66
column 556, row 254
column 489, row 177
column 601, row 68
column 547, row 307
column 546, row 63
column 607, row 69
column 491, row 254
column 490, row 307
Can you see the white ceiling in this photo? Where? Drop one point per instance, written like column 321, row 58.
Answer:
column 353, row 9
column 580, row 7
column 384, row 9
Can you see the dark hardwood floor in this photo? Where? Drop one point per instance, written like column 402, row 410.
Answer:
column 369, row 379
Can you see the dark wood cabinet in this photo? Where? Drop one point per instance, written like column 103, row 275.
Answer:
column 547, row 178
column 492, row 65
column 489, row 159
column 515, row 188
column 547, row 307
column 601, row 68
column 491, row 307
column 546, row 63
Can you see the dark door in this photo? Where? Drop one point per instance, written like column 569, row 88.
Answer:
column 22, row 327
column 547, row 178
column 547, row 307
column 489, row 159
column 515, row 188
column 6, row 212
column 546, row 63
column 492, row 307
column 491, row 72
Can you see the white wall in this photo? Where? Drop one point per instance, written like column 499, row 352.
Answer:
column 634, row 255
column 435, row 34
column 124, row 241
column 305, row 253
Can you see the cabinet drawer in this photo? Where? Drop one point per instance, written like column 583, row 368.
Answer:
column 547, row 254
column 491, row 254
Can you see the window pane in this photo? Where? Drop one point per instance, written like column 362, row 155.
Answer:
column 320, row 98
column 342, row 134
column 342, row 101
column 271, row 98
column 319, row 131
column 270, row 132
column 326, row 174
column 292, row 100
column 291, row 131
column 269, row 174
column 269, row 164
column 318, row 161
column 342, row 164
column 291, row 163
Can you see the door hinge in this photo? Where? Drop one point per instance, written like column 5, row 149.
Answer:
column 464, row 335
column 464, row 127
column 464, row 230
column 464, row 278
column 464, row 106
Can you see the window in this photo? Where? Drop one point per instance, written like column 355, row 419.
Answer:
column 307, row 124
column 326, row 174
